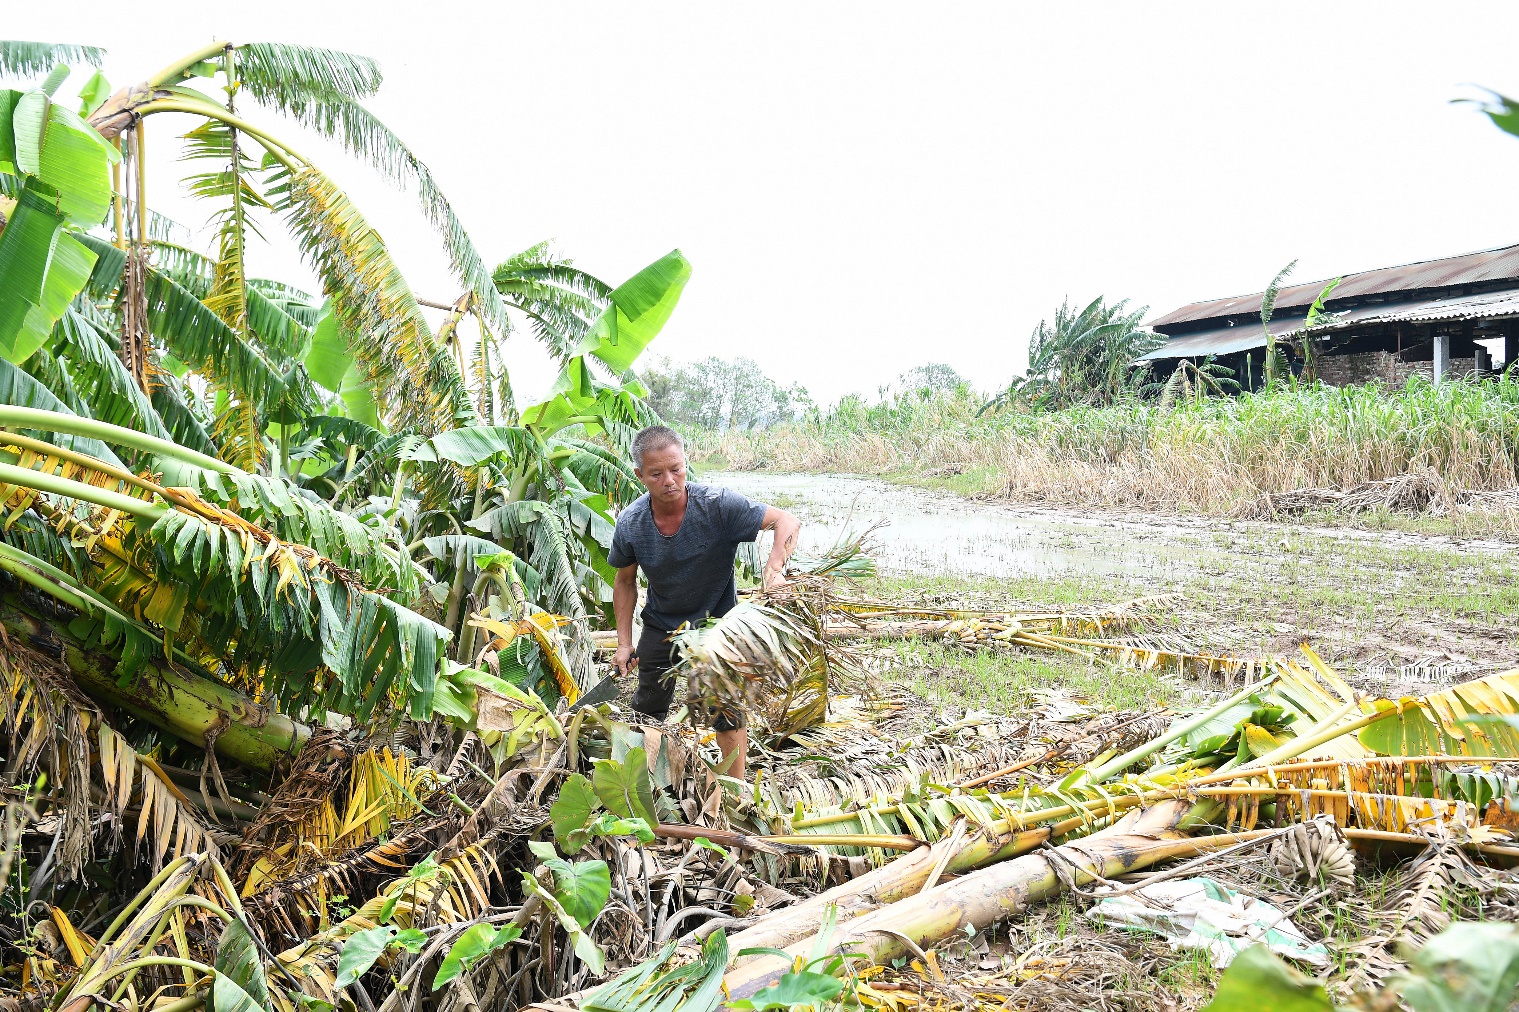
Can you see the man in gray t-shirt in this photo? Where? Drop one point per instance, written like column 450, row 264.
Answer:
column 685, row 538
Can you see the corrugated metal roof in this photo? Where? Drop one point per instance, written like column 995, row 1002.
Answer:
column 1470, row 268
column 1483, row 306
column 1227, row 340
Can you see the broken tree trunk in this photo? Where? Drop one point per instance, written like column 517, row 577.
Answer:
column 168, row 697
column 992, row 894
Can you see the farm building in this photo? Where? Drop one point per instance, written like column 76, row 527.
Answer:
column 1453, row 317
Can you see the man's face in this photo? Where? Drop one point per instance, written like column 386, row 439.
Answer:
column 663, row 473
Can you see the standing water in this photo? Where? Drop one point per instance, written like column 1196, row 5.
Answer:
column 934, row 532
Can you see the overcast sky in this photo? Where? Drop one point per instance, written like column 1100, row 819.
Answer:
column 865, row 187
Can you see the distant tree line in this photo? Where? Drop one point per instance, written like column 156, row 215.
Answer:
column 719, row 394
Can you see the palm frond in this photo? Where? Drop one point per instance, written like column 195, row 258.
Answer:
column 45, row 716
column 416, row 380
column 28, row 59
column 276, row 73
column 44, row 367
column 560, row 300
column 335, row 114
column 773, row 659
column 193, row 333
column 111, row 392
column 1268, row 297
column 694, row 986
column 164, row 811
column 190, row 269
column 172, row 400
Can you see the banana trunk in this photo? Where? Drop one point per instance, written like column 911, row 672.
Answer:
column 992, row 894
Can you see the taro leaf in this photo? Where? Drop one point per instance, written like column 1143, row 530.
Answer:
column 581, row 888
column 793, row 990
column 476, row 943
column 360, row 952
column 240, row 985
column 1257, row 981
column 1465, row 968
column 624, row 787
column 609, row 825
column 572, row 810
column 410, row 939
column 585, row 947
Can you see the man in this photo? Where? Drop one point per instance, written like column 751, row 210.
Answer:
column 685, row 537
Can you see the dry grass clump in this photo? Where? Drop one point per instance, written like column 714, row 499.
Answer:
column 1226, row 456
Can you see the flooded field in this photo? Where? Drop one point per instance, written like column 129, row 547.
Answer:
column 1390, row 607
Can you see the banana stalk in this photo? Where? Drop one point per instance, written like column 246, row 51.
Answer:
column 170, row 698
column 992, row 894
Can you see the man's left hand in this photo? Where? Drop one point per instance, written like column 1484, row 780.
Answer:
column 773, row 578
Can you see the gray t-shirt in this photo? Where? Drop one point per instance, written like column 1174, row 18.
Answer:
column 690, row 572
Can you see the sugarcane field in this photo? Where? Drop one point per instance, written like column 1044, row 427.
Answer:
column 598, row 507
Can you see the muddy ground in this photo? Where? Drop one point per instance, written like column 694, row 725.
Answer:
column 1395, row 612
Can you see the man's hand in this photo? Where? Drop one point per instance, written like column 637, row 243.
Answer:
column 786, row 528
column 623, row 660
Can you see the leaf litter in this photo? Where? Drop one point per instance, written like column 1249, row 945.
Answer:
column 587, row 858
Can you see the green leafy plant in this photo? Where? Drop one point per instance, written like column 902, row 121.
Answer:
column 1083, row 357
column 581, row 887
column 473, row 945
column 624, row 787
column 576, row 816
column 363, row 948
column 1468, row 967
column 810, row 983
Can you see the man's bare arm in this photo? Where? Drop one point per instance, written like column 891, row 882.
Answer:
column 787, row 529
column 624, row 601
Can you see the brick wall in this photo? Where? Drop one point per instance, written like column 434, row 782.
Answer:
column 1382, row 367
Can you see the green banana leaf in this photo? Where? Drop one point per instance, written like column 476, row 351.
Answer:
column 42, row 268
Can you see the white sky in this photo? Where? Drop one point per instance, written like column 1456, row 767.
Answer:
column 865, row 187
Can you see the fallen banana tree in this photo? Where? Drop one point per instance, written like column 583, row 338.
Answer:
column 984, row 897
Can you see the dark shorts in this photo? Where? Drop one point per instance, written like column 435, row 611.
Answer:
column 656, row 686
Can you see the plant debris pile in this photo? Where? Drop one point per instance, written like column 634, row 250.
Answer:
column 508, row 851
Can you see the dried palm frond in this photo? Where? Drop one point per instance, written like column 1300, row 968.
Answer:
column 768, row 655
column 1427, row 902
column 47, row 720
column 176, row 825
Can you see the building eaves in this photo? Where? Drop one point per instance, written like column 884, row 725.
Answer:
column 1228, row 340
column 1467, row 269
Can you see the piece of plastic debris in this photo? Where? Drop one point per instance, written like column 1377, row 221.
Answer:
column 1199, row 913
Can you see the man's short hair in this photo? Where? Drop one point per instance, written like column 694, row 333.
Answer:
column 655, row 437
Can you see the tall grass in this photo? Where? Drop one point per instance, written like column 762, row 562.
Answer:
column 1213, row 456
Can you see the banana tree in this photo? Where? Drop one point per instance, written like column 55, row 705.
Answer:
column 231, row 575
